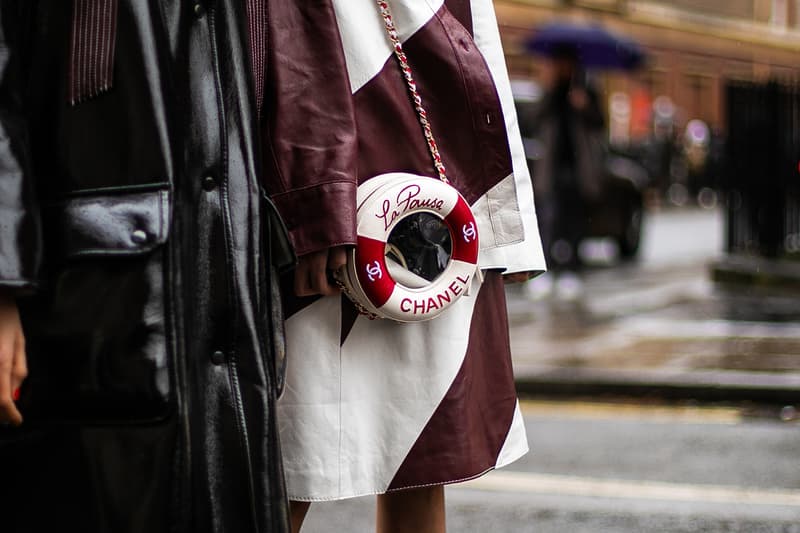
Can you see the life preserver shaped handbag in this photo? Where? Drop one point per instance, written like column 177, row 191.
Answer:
column 417, row 247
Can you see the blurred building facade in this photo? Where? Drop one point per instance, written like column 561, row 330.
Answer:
column 693, row 47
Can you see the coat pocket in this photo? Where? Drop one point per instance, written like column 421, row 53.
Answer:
column 97, row 336
column 128, row 224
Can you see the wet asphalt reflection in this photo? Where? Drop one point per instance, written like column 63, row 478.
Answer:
column 661, row 311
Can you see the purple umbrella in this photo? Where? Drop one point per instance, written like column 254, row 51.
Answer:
column 593, row 46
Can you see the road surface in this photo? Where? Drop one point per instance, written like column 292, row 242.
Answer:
column 625, row 468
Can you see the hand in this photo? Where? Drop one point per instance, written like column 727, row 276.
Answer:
column 518, row 277
column 311, row 274
column 13, row 366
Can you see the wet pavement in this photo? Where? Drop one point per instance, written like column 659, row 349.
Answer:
column 625, row 467
column 659, row 323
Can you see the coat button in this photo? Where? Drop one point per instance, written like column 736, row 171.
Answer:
column 139, row 236
column 209, row 183
column 199, row 11
column 218, row 357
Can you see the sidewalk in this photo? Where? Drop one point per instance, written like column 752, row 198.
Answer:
column 666, row 332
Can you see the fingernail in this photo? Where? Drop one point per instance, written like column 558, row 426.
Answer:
column 15, row 395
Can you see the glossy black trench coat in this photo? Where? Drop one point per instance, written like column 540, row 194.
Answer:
column 136, row 235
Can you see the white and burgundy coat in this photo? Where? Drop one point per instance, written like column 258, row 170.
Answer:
column 375, row 406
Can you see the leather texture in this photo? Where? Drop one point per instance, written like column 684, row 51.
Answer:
column 309, row 133
column 135, row 231
column 106, row 225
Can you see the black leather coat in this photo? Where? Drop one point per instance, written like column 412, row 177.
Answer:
column 134, row 230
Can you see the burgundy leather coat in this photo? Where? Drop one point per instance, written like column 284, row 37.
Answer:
column 135, row 231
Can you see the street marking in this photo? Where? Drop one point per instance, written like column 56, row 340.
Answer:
column 710, row 329
column 506, row 481
column 621, row 411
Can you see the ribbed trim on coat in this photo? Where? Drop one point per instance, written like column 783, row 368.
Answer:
column 91, row 54
column 257, row 28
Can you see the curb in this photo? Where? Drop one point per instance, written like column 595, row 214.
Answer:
column 708, row 386
column 758, row 271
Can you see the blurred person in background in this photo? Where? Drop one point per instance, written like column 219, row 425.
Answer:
column 658, row 149
column 696, row 145
column 570, row 125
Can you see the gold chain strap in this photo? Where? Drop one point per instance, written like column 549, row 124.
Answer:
column 416, row 99
column 402, row 59
column 359, row 307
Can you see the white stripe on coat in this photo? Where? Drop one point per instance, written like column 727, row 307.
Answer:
column 516, row 444
column 525, row 254
column 366, row 45
column 371, row 389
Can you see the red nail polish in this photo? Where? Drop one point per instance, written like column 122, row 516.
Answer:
column 15, row 395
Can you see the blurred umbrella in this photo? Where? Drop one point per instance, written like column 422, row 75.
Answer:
column 594, row 46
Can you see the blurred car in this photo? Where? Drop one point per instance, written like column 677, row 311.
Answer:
column 618, row 212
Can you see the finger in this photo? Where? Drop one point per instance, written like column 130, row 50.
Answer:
column 301, row 284
column 517, row 277
column 9, row 414
column 337, row 258
column 8, row 411
column 19, row 369
column 310, row 268
column 318, row 276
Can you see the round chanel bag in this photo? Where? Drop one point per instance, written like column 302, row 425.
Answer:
column 417, row 248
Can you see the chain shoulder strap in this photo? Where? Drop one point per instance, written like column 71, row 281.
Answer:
column 416, row 99
column 405, row 68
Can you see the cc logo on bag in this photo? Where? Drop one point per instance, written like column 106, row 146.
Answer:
column 389, row 274
column 469, row 232
column 374, row 271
